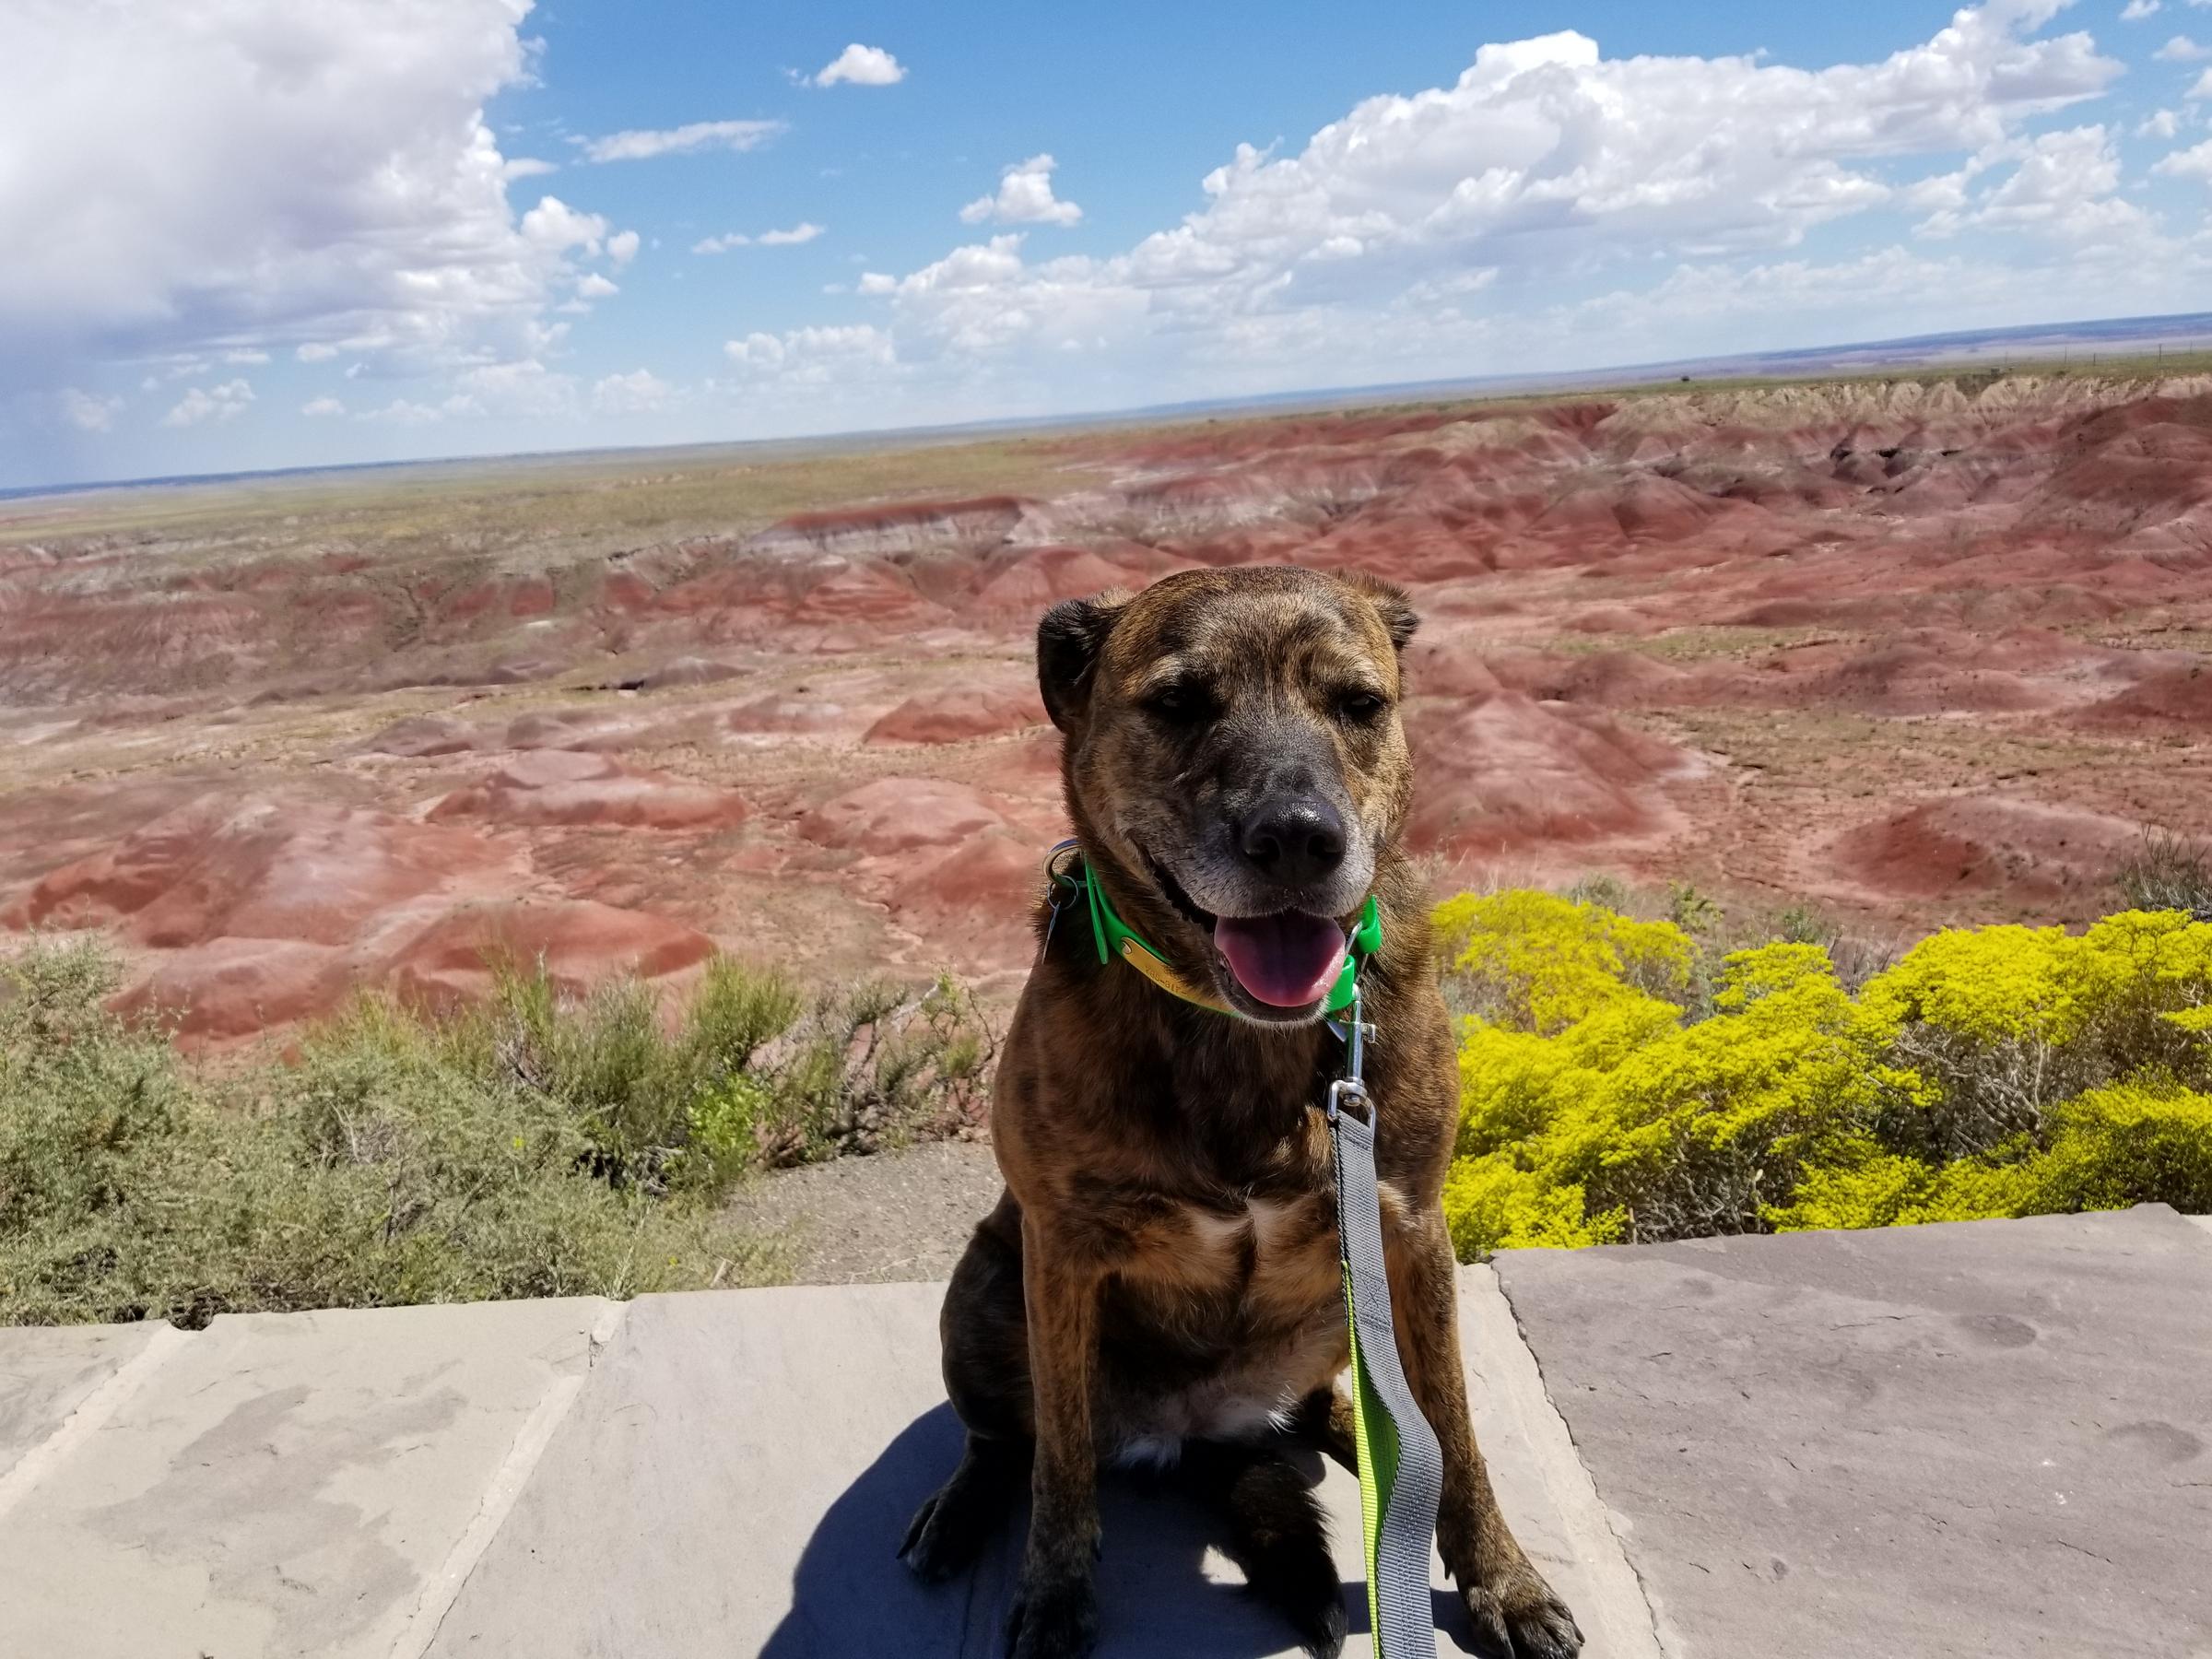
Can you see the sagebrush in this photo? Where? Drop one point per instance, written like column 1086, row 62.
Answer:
column 536, row 1145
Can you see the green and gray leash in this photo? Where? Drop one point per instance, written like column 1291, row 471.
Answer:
column 1401, row 1469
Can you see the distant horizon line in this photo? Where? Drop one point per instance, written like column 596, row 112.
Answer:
column 2142, row 331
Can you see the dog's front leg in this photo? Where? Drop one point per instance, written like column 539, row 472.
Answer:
column 1055, row 1611
column 1506, row 1596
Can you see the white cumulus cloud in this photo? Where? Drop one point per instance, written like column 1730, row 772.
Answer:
column 2181, row 49
column 2194, row 162
column 86, row 412
column 224, row 402
column 527, row 390
column 555, row 226
column 2134, row 11
column 258, row 169
column 322, row 408
column 622, row 247
column 1413, row 235
column 816, row 357
column 861, row 65
column 1024, row 198
column 639, row 392
column 593, row 286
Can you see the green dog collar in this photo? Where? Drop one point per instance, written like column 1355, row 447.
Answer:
column 1067, row 872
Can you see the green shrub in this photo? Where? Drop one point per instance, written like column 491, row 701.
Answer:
column 1988, row 1072
column 535, row 1146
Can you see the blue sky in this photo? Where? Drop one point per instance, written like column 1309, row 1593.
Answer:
column 371, row 229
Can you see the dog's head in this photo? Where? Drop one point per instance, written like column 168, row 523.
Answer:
column 1234, row 760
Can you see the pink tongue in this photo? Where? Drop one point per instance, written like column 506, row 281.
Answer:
column 1287, row 960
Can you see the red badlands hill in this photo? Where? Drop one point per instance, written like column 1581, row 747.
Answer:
column 1921, row 650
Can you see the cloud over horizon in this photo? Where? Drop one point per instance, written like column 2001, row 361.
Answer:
column 1357, row 256
column 1542, row 206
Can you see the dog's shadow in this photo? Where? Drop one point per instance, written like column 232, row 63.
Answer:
column 852, row 1597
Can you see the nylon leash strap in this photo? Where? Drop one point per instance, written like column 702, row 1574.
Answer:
column 1401, row 1469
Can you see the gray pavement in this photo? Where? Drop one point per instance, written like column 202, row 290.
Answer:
column 1988, row 1439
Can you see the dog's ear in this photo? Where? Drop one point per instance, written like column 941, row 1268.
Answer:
column 1391, row 604
column 1068, row 641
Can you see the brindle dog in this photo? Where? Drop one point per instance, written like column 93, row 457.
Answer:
column 1160, row 1277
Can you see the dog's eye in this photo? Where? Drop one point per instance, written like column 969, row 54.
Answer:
column 1359, row 706
column 1180, row 704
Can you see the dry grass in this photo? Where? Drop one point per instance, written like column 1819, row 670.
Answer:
column 561, row 506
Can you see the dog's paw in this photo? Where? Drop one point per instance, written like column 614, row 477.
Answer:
column 936, row 1546
column 1293, row 1573
column 1321, row 1626
column 1055, row 1620
column 952, row 1526
column 1521, row 1619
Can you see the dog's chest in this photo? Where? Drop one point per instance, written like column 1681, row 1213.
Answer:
column 1267, row 1252
column 1250, row 1300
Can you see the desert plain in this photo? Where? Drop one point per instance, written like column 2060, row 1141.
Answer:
column 1906, row 649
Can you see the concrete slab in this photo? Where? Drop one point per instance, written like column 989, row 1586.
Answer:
column 742, row 1468
column 303, row 1484
column 48, row 1376
column 1972, row 1439
column 1545, row 1492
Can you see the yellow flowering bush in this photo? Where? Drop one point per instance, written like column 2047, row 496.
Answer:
column 1996, row 1071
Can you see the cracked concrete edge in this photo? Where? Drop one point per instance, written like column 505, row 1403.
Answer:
column 501, row 1492
column 1620, row 1623
column 91, row 1415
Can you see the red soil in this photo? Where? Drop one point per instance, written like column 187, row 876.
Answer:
column 900, row 815
column 260, row 868
column 1505, row 773
column 2031, row 851
column 2172, row 699
column 952, row 716
column 1928, row 653
column 578, row 943
column 560, row 786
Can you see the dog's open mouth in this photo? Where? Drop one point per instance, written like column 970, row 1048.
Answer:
column 1286, row 960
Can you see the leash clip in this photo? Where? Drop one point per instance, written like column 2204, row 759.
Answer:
column 1353, row 1032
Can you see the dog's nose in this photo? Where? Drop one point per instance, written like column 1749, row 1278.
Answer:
column 1295, row 839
